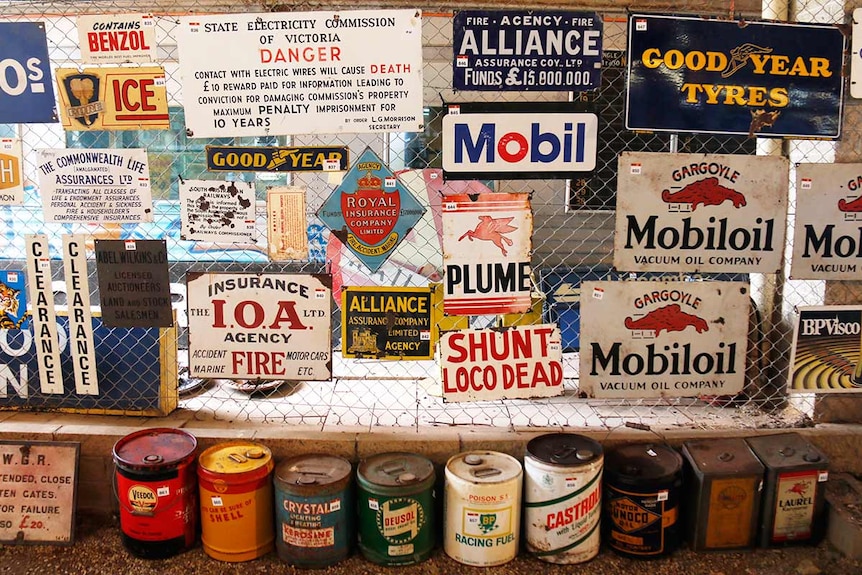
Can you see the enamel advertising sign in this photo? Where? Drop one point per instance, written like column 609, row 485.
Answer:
column 525, row 50
column 388, row 322
column 117, row 38
column 27, row 93
column 371, row 211
column 216, row 211
column 285, row 73
column 11, row 174
column 113, row 98
column 700, row 213
column 485, row 364
column 271, row 326
column 277, row 159
column 95, row 185
column 661, row 338
column 827, row 354
column 486, row 253
column 688, row 74
column 539, row 141
column 827, row 241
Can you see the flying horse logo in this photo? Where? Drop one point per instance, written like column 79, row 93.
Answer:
column 492, row 230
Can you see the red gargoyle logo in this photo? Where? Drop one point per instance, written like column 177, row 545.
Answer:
column 851, row 206
column 492, row 230
column 706, row 191
column 668, row 318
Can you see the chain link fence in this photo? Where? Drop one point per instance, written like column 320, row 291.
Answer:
column 573, row 233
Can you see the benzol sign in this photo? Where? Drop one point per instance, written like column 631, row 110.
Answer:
column 519, row 145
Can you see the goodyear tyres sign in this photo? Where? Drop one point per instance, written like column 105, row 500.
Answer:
column 276, row 159
column 725, row 77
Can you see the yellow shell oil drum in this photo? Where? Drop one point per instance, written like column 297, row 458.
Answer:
column 482, row 508
column 793, row 508
column 643, row 484
column 157, row 491
column 314, row 510
column 724, row 480
column 396, row 508
column 563, row 497
column 235, row 480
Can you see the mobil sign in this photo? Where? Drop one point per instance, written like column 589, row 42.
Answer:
column 485, row 364
column 519, row 145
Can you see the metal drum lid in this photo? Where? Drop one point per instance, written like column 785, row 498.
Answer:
column 484, row 467
column 395, row 469
column 314, row 469
column 786, row 450
column 637, row 463
column 154, row 449
column 235, row 457
column 731, row 456
column 564, row 449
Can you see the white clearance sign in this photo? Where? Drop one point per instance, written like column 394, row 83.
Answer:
column 260, row 326
column 485, row 364
column 302, row 72
column 117, row 38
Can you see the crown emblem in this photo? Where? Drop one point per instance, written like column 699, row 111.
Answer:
column 369, row 182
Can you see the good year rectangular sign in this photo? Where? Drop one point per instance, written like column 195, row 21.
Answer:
column 771, row 79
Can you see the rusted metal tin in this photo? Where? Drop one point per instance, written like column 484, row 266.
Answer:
column 236, row 500
column 482, row 503
column 314, row 510
column 643, row 485
column 156, row 488
column 563, row 497
column 395, row 503
column 724, row 484
column 793, row 508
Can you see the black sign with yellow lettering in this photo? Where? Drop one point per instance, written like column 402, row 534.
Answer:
column 277, row 159
column 766, row 79
column 387, row 323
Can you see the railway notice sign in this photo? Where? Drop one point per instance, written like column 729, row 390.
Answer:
column 485, row 364
column 487, row 240
column 509, row 50
column 827, row 353
column 38, row 489
column 700, row 213
column 216, row 211
column 286, row 73
column 663, row 338
column 250, row 326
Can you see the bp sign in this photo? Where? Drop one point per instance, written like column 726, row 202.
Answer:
column 371, row 211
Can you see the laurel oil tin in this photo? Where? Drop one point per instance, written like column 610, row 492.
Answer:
column 642, row 499
column 793, row 504
column 235, row 480
column 314, row 510
column 562, row 497
column 724, row 481
column 396, row 510
column 482, row 508
column 156, row 488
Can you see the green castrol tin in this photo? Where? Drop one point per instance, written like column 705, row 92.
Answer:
column 396, row 508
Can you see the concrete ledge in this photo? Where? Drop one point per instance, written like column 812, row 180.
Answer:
column 842, row 443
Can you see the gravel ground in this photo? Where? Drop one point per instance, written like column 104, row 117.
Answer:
column 99, row 550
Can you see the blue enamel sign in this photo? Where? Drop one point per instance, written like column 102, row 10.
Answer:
column 726, row 77
column 517, row 50
column 371, row 211
column 26, row 90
